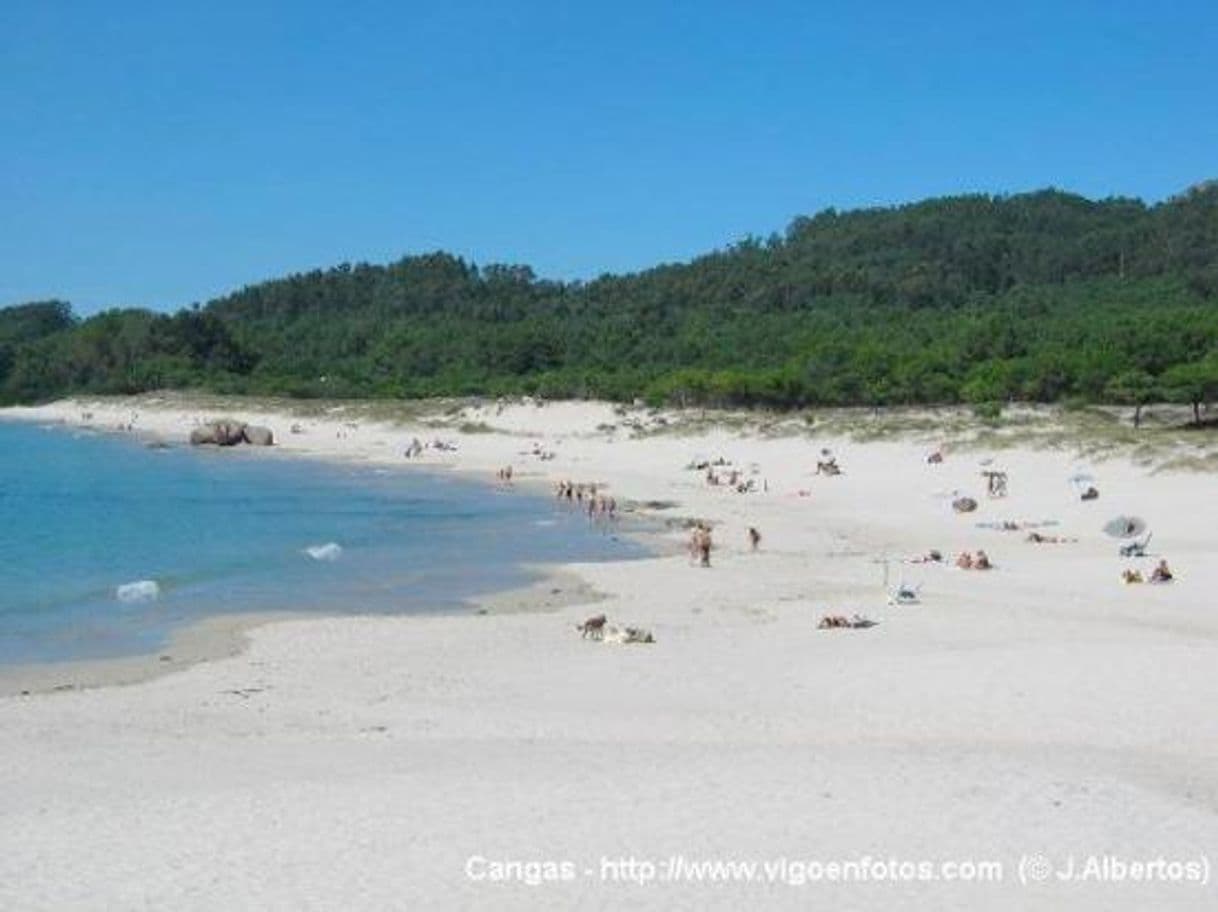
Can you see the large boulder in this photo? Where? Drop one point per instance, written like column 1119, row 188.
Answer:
column 229, row 433
column 219, row 433
column 258, row 435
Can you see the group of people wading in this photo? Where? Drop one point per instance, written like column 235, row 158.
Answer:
column 598, row 505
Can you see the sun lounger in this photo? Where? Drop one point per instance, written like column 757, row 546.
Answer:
column 1135, row 548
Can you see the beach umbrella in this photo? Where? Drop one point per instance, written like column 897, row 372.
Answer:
column 1125, row 526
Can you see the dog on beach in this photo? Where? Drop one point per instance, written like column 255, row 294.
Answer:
column 592, row 628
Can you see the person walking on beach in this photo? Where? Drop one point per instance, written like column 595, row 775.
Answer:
column 704, row 545
column 754, row 538
column 700, row 544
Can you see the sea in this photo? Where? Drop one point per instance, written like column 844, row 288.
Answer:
column 107, row 545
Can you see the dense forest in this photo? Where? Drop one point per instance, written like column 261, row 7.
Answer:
column 1044, row 296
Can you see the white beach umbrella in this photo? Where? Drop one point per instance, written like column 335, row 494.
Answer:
column 1125, row 526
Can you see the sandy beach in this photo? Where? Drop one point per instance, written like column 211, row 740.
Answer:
column 977, row 749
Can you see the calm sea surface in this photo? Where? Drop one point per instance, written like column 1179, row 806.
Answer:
column 190, row 533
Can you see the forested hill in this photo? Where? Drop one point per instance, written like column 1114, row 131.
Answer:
column 983, row 299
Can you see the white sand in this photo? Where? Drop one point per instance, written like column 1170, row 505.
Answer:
column 361, row 762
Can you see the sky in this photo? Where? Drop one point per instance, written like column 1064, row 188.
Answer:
column 156, row 154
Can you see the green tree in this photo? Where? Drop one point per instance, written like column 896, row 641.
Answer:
column 1133, row 387
column 1043, row 296
column 1195, row 383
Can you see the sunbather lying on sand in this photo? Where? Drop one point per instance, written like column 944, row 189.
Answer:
column 967, row 561
column 1162, row 573
column 1039, row 539
column 625, row 635
column 933, row 556
column 838, row 621
column 1132, row 576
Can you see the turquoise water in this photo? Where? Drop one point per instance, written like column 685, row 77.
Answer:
column 228, row 531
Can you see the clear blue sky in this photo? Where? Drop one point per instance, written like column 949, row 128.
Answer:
column 157, row 153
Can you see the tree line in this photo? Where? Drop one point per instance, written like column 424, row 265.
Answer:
column 1044, row 297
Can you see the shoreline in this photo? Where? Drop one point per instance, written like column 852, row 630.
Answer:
column 552, row 587
column 206, row 640
column 225, row 636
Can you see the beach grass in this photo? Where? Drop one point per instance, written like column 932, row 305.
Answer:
column 1164, row 442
